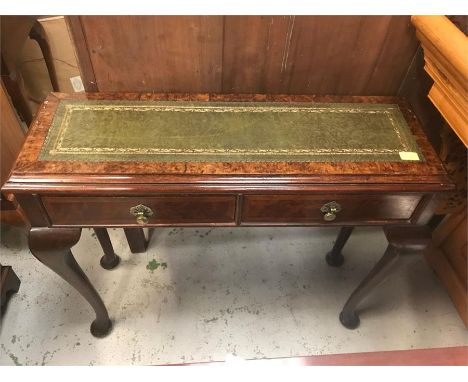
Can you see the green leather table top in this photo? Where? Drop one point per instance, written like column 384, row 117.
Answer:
column 228, row 132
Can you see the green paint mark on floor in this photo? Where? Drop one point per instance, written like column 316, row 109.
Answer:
column 15, row 360
column 154, row 264
column 13, row 357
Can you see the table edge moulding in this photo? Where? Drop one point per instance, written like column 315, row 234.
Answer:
column 62, row 196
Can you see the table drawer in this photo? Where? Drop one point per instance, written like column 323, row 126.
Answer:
column 109, row 211
column 303, row 209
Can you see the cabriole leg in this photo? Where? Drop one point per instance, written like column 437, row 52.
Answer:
column 348, row 315
column 401, row 240
column 136, row 239
column 9, row 284
column 335, row 258
column 110, row 260
column 51, row 246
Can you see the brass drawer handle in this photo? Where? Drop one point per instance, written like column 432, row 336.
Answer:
column 330, row 210
column 142, row 213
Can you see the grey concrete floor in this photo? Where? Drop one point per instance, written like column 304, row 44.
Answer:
column 250, row 292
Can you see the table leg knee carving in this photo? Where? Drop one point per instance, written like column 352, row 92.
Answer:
column 51, row 246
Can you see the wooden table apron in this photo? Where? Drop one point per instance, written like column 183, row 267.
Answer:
column 61, row 197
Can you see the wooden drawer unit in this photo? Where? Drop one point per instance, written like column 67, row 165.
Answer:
column 316, row 209
column 115, row 211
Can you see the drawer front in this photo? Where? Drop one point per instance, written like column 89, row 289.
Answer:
column 109, row 211
column 304, row 209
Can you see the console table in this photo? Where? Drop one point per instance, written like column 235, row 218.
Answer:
column 134, row 160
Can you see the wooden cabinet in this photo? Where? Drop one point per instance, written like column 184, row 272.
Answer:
column 449, row 259
column 12, row 135
column 445, row 55
column 11, row 139
column 445, row 51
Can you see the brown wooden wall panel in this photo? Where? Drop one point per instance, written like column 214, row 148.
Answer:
column 164, row 54
column 254, row 51
column 341, row 54
column 364, row 55
column 398, row 50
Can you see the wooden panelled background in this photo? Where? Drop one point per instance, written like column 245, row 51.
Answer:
column 361, row 55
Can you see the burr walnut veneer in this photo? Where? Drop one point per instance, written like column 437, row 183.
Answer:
column 251, row 160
